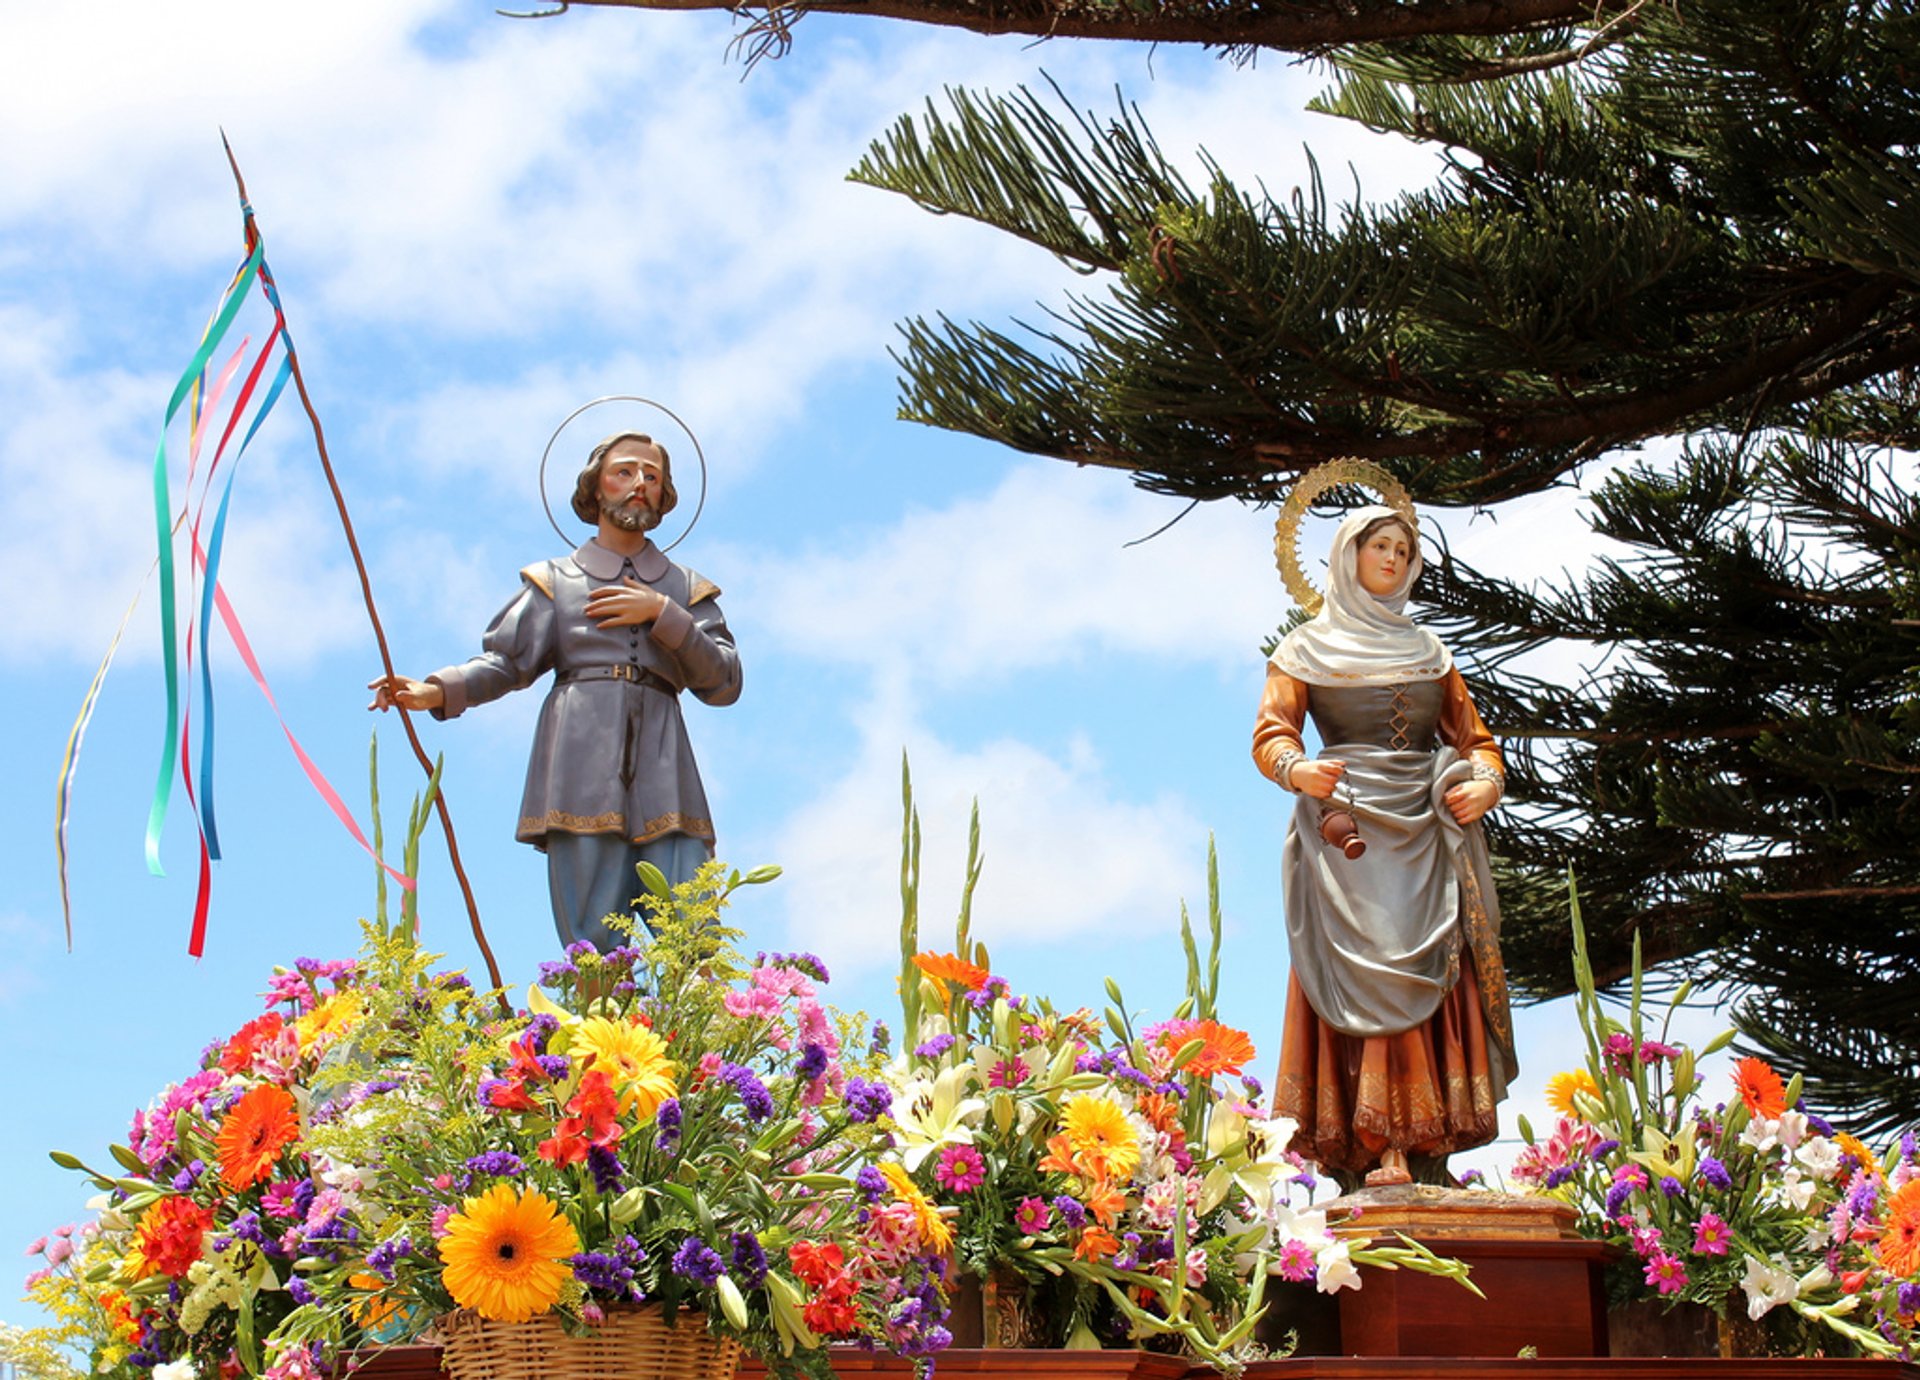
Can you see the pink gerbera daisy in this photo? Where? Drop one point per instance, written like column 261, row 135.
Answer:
column 1710, row 1235
column 961, row 1170
column 1295, row 1261
column 1666, row 1273
column 1033, row 1216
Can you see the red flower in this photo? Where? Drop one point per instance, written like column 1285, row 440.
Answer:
column 831, row 1312
column 595, row 1121
column 1760, row 1088
column 247, row 1040
column 815, row 1263
column 170, row 1236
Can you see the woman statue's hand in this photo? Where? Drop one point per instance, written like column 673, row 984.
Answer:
column 1471, row 799
column 1319, row 776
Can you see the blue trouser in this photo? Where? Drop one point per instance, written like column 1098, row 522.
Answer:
column 591, row 876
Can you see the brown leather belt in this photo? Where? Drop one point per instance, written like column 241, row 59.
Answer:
column 638, row 675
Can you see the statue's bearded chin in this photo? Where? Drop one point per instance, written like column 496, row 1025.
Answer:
column 635, row 515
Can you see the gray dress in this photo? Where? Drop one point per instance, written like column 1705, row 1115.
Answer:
column 1377, row 941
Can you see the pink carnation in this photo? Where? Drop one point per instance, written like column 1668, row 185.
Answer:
column 961, row 1170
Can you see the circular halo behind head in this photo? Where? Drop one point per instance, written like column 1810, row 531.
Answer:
column 1316, row 481
column 698, row 454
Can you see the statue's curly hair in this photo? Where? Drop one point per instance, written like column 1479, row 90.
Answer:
column 586, row 489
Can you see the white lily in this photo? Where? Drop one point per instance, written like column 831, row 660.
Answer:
column 1821, row 1157
column 1334, row 1269
column 1767, row 1287
column 932, row 1114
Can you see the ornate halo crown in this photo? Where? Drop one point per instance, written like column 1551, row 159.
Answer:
column 1316, row 481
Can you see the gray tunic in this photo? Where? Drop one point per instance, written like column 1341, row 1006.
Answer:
column 1377, row 940
column 610, row 755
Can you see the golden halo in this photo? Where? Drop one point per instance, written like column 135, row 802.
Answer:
column 1316, row 481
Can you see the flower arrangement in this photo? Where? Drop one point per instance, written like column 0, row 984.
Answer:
column 1107, row 1182
column 1749, row 1200
column 221, row 1210
column 663, row 1123
column 387, row 1151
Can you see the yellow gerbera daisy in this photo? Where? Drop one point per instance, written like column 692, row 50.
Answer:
column 935, row 1234
column 329, row 1020
column 632, row 1055
column 505, row 1254
column 1862, row 1156
column 1562, row 1086
column 1100, row 1138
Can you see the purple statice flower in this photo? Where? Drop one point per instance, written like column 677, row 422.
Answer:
column 500, row 1163
column 1671, row 1186
column 580, row 949
column 1308, row 1181
column 867, row 1101
column 556, row 974
column 248, row 1227
column 383, row 1257
column 184, row 1181
column 1129, row 1256
column 1819, row 1125
column 813, row 1062
column 1863, row 1193
column 667, row 1120
column 1908, row 1147
column 1471, row 1176
column 1253, row 1086
column 1909, row 1301
column 1087, row 1063
column 378, row 1086
column 871, row 1183
column 554, row 1066
column 1070, row 1210
column 879, row 1039
column 754, row 1096
column 1559, row 1174
column 1617, row 1197
column 933, row 1048
column 539, row 1031
column 303, row 1195
column 607, row 1273
column 699, row 1262
column 300, row 1291
column 1714, row 1173
column 604, row 1164
column 749, row 1260
column 1602, row 1148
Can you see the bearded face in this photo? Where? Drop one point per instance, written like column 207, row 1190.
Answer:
column 634, row 515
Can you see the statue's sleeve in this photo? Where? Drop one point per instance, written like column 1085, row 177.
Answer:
column 699, row 643
column 1277, row 743
column 1461, row 728
column 517, row 649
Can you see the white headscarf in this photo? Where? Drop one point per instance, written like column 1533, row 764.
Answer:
column 1358, row 638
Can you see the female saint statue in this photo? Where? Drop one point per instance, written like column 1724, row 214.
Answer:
column 1398, row 1045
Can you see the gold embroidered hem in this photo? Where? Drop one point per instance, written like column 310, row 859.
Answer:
column 534, row 829
column 1426, row 1091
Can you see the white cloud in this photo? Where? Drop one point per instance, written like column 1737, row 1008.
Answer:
column 1034, row 573
column 1065, row 854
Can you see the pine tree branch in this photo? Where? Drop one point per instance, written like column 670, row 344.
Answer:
column 1299, row 28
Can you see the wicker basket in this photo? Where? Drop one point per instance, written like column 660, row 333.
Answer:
column 634, row 1343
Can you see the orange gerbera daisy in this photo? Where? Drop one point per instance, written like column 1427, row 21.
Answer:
column 1562, row 1087
column 262, row 1124
column 951, row 968
column 1223, row 1049
column 1899, row 1248
column 1760, row 1088
column 505, row 1254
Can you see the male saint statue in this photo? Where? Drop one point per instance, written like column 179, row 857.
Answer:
column 612, row 780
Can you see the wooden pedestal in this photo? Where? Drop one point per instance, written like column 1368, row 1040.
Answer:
column 1542, row 1281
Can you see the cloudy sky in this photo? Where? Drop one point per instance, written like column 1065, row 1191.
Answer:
column 477, row 224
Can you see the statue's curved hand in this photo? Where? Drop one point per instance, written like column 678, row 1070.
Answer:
column 1318, row 776
column 1470, row 800
column 626, row 604
column 408, row 694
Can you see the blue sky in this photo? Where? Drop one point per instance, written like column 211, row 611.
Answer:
column 478, row 224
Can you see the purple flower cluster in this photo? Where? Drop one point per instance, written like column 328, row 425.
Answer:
column 612, row 1272
column 667, row 1120
column 871, row 1183
column 300, row 1291
column 1714, row 1173
column 809, row 964
column 184, row 1181
column 933, row 1048
column 879, row 1039
column 749, row 1260
column 603, row 1162
column 383, row 1257
column 813, row 1062
column 867, row 1101
column 1071, row 1212
column 752, row 1092
column 500, row 1163
column 698, row 1262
